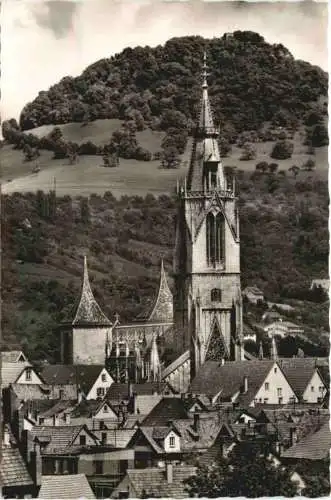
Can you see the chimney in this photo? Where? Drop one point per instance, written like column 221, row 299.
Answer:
column 169, row 472
column 196, row 422
column 245, row 385
column 35, row 464
column 293, row 436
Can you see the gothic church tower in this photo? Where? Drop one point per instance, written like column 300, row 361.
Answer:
column 207, row 302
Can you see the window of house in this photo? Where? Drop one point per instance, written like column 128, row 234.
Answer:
column 100, row 392
column 101, row 424
column 171, row 442
column 266, row 401
column 216, row 295
column 28, row 374
column 266, row 386
column 105, row 409
column 61, row 394
column 103, row 377
column 41, row 421
column 260, row 400
column 312, row 388
column 98, row 467
column 280, row 401
column 279, row 392
column 275, row 369
column 215, row 239
column 103, row 437
column 82, row 440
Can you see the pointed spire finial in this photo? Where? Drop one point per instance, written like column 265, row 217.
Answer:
column 261, row 351
column 274, row 352
column 155, row 366
column 204, row 72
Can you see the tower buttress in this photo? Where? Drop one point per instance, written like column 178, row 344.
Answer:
column 207, row 301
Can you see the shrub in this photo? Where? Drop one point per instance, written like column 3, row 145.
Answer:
column 282, row 150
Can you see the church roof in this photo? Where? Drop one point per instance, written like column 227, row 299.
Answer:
column 89, row 311
column 162, row 309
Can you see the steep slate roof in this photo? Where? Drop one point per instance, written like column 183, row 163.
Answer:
column 89, row 311
column 162, row 308
column 227, row 379
column 10, row 371
column 82, row 375
column 13, row 356
column 154, row 481
column 65, row 486
column 59, row 438
column 315, row 446
column 298, row 372
column 168, row 409
column 13, row 470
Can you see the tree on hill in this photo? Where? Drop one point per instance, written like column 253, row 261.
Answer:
column 282, row 150
column 248, row 472
column 170, row 158
column 319, row 136
column 295, row 170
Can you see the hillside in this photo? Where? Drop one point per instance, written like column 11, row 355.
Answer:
column 284, row 245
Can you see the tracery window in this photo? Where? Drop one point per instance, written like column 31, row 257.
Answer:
column 215, row 239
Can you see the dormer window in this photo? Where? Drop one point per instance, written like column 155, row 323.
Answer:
column 172, row 442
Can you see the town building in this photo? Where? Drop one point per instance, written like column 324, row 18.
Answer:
column 253, row 294
column 283, row 329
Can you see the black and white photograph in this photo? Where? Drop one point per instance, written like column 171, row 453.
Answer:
column 164, row 249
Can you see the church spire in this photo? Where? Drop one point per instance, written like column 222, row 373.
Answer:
column 154, row 366
column 206, row 171
column 163, row 306
column 89, row 311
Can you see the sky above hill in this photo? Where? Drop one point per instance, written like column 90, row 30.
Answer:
column 43, row 41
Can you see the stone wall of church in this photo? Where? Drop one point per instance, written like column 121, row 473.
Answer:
column 88, row 345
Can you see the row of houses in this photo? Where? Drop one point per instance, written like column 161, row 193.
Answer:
column 111, row 441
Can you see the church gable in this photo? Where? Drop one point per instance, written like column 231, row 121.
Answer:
column 216, row 349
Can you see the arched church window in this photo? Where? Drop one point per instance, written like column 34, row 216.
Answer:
column 216, row 295
column 215, row 238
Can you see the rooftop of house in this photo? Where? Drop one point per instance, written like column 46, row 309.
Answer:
column 57, row 438
column 65, row 486
column 83, row 376
column 59, row 406
column 13, row 470
column 285, row 324
column 118, row 391
column 254, row 290
column 298, row 372
column 152, row 482
column 315, row 446
column 88, row 408
column 28, row 392
column 37, row 406
column 176, row 363
column 168, row 409
column 10, row 371
column 89, row 311
column 226, row 379
column 324, row 283
column 13, row 356
column 120, row 438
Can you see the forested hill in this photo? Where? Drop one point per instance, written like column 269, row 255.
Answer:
column 251, row 82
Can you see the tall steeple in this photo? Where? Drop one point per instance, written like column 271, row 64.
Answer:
column 206, row 170
column 207, row 251
column 89, row 311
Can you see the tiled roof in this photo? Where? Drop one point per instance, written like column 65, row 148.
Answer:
column 12, row 356
column 145, row 403
column 11, row 371
column 227, row 379
column 254, row 290
column 65, row 486
column 58, row 407
column 86, row 408
column 89, row 311
column 154, row 481
column 80, row 375
column 315, row 446
column 117, row 391
column 37, row 406
column 298, row 372
column 13, row 470
column 168, row 409
column 58, row 437
column 120, row 438
column 26, row 392
column 175, row 364
column 203, row 437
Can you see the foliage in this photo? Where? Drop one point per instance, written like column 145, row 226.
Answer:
column 170, row 158
column 282, row 150
column 248, row 472
column 261, row 82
